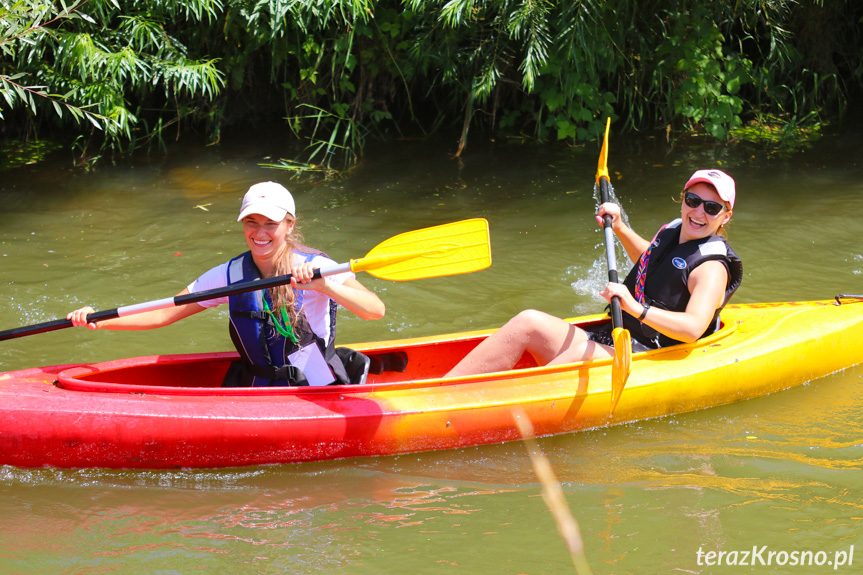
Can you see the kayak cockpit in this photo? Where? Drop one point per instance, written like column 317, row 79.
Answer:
column 428, row 360
column 203, row 374
column 195, row 373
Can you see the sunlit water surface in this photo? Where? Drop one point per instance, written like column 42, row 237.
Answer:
column 782, row 471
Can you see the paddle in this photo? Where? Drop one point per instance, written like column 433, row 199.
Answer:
column 621, row 364
column 449, row 249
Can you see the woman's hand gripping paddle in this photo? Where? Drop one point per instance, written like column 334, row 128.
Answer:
column 622, row 362
column 449, row 249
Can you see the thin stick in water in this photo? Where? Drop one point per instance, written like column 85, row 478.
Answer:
column 552, row 493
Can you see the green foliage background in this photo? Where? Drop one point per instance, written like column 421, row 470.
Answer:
column 122, row 74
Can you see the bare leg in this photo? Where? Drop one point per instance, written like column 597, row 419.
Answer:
column 549, row 339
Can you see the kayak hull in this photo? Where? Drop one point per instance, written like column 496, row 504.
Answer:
column 169, row 411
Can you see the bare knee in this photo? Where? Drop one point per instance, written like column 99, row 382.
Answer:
column 530, row 321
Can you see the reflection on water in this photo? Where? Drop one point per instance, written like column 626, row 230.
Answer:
column 647, row 496
column 781, row 471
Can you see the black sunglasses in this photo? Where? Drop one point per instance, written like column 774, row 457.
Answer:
column 710, row 208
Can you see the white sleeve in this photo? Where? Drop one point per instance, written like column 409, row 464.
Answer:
column 322, row 262
column 317, row 305
column 214, row 278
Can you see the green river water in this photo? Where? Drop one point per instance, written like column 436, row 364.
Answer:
column 779, row 474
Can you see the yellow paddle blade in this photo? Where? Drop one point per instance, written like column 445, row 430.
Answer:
column 602, row 168
column 445, row 250
column 621, row 364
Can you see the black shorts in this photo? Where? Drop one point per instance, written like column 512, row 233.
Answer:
column 601, row 333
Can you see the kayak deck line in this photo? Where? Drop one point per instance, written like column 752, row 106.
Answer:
column 170, row 411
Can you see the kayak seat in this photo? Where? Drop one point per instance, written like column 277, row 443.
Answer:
column 390, row 361
column 356, row 365
column 359, row 365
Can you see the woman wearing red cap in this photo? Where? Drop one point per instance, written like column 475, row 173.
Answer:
column 680, row 282
column 284, row 335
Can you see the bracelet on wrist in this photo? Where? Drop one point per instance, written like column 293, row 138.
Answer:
column 643, row 313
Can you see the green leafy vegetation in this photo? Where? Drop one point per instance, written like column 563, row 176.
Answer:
column 120, row 75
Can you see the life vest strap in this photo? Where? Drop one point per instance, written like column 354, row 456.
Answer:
column 260, row 315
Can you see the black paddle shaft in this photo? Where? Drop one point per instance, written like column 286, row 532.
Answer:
column 161, row 304
column 616, row 314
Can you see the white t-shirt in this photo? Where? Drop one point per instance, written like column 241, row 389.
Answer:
column 315, row 304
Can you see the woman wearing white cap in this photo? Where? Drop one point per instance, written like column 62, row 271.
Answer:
column 285, row 335
column 681, row 281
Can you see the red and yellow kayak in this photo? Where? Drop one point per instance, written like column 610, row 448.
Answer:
column 169, row 411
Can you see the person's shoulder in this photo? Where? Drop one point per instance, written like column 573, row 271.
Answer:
column 669, row 230
column 303, row 253
column 214, row 278
column 715, row 246
column 307, row 251
column 217, row 270
column 711, row 271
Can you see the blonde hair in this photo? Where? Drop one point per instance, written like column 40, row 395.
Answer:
column 284, row 296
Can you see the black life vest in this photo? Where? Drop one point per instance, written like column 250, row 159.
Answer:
column 263, row 349
column 666, row 282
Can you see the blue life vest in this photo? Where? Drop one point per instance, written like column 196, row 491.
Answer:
column 666, row 284
column 264, row 350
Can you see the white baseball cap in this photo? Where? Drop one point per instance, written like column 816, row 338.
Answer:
column 269, row 199
column 723, row 183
